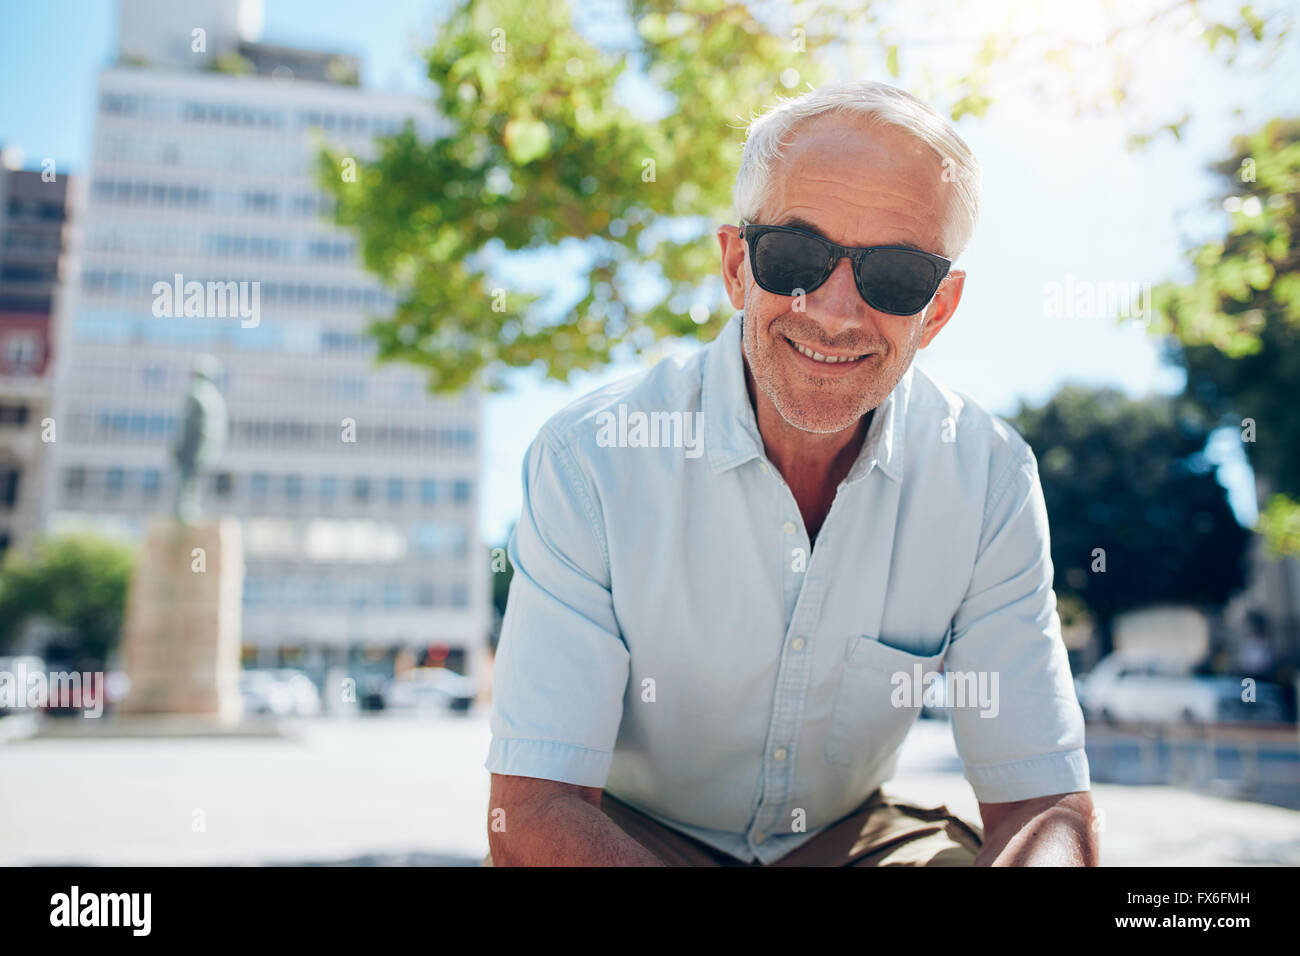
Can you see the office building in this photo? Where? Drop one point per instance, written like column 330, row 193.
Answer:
column 356, row 489
column 33, row 216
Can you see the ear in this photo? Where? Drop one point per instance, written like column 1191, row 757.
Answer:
column 943, row 305
column 735, row 270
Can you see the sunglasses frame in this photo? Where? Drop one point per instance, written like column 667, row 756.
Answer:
column 750, row 233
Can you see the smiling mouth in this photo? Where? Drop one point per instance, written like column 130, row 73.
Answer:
column 825, row 359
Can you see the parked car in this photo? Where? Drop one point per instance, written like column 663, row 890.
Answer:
column 281, row 692
column 370, row 692
column 430, row 688
column 1149, row 688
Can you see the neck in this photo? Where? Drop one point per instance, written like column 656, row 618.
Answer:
column 807, row 460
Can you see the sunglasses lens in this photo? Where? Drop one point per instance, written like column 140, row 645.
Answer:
column 898, row 281
column 784, row 262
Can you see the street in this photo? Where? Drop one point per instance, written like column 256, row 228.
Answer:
column 387, row 790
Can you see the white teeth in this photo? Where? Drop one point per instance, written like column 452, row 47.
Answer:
column 818, row 357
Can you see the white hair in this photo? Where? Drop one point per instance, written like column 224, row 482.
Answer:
column 882, row 104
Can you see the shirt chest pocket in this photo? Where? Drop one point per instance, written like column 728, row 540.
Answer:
column 877, row 700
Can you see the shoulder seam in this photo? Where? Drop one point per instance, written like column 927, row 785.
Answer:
column 1004, row 482
column 576, row 479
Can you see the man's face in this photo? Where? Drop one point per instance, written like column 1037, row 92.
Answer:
column 856, row 185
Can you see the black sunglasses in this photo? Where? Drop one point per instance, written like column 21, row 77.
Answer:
column 892, row 279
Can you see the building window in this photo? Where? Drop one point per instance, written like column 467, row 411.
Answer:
column 459, row 595
column 395, row 488
column 150, row 481
column 258, row 483
column 23, row 350
column 114, row 481
column 74, row 480
column 460, row 492
column 292, row 487
column 329, row 488
column 223, row 484
column 429, row 491
column 438, row 538
column 361, row 489
column 13, row 415
column 8, row 488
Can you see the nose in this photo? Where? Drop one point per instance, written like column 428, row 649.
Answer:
column 838, row 307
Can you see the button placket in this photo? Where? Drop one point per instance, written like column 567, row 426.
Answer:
column 793, row 678
column 783, row 734
column 793, row 538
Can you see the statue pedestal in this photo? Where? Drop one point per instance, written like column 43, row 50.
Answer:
column 181, row 634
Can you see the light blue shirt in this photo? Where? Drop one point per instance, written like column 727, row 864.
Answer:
column 672, row 637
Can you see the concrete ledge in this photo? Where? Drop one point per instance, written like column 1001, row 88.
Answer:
column 156, row 725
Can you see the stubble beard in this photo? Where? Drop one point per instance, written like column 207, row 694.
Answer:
column 787, row 404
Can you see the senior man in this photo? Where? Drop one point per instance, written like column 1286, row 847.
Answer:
column 736, row 574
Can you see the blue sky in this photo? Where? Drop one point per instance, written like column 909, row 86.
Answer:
column 1063, row 200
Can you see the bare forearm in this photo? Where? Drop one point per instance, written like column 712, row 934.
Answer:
column 565, row 831
column 1061, row 834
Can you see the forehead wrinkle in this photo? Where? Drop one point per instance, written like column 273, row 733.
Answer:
column 871, row 199
column 904, row 199
column 847, row 203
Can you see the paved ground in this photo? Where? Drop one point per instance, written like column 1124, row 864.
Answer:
column 388, row 790
column 1141, row 825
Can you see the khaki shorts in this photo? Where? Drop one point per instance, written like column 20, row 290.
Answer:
column 880, row 832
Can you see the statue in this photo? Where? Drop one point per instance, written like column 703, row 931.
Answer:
column 202, row 436
column 181, row 630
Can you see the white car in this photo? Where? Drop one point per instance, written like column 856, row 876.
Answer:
column 280, row 692
column 1137, row 687
column 431, row 689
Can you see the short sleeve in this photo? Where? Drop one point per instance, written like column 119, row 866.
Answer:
column 1029, row 742
column 561, row 666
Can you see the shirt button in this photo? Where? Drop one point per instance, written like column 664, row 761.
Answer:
column 779, row 753
column 766, row 470
column 788, row 527
column 759, row 837
column 797, row 644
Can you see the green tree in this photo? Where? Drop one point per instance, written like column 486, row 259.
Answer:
column 1235, row 328
column 536, row 148
column 1129, row 477
column 78, row 582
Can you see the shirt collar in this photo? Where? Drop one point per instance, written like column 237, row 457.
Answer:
column 731, row 434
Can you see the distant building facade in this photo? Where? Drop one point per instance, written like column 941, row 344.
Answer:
column 358, row 491
column 33, row 217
